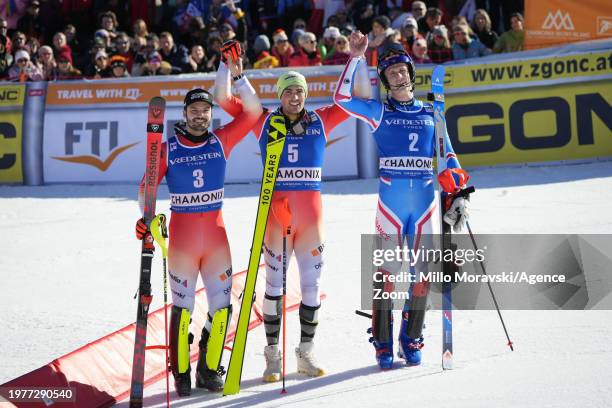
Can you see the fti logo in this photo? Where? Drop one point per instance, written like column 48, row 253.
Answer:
column 92, row 135
column 558, row 21
column 604, row 25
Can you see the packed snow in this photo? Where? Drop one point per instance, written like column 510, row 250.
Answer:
column 69, row 268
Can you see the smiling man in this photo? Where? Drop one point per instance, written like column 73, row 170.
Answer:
column 193, row 161
column 298, row 186
column 403, row 128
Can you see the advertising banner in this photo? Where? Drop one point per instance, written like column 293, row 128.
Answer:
column 555, row 22
column 559, row 122
column 11, row 134
column 108, row 145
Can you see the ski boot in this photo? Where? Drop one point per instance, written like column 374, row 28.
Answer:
column 410, row 349
column 180, row 339
column 306, row 361
column 272, row 373
column 209, row 370
column 384, row 352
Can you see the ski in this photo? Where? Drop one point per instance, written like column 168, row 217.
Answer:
column 274, row 149
column 437, row 89
column 155, row 129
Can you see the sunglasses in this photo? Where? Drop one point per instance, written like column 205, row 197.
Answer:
column 341, row 42
column 101, row 58
column 281, row 41
column 63, row 62
column 3, row 27
column 461, row 33
column 300, row 26
column 122, row 42
column 311, row 42
column 22, row 60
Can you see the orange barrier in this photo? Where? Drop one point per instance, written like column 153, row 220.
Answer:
column 100, row 372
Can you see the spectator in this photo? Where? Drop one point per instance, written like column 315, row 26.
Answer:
column 140, row 30
column 432, row 18
column 122, row 48
column 419, row 50
column 118, row 66
column 73, row 42
column 295, row 37
column 282, row 50
column 341, row 53
column 65, row 70
column 6, row 59
column 4, row 31
column 100, row 68
column 363, row 14
column 328, row 42
column 513, row 39
column 23, row 69
column 299, row 24
column 19, row 41
column 466, row 47
column 481, row 26
column 307, row 53
column 410, row 34
column 30, row 23
column 197, row 60
column 213, row 51
column 47, row 62
column 104, row 37
column 32, row 46
column 176, row 55
column 108, row 22
column 196, row 34
column 265, row 60
column 461, row 20
column 398, row 16
column 439, row 45
column 381, row 29
column 155, row 65
column 60, row 46
column 418, row 9
column 260, row 45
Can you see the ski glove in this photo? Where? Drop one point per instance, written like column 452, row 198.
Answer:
column 457, row 214
column 141, row 229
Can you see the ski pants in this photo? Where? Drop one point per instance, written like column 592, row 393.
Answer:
column 198, row 246
column 305, row 240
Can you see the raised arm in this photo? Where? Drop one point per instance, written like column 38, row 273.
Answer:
column 250, row 113
column 222, row 92
column 363, row 108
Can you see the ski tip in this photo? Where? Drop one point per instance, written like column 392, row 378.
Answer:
column 157, row 100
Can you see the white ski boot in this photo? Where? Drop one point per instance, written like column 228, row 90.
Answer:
column 272, row 373
column 306, row 361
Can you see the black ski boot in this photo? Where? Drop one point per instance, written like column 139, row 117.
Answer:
column 205, row 377
column 180, row 338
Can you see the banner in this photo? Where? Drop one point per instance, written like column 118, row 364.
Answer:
column 555, row 22
column 537, row 124
column 107, row 144
column 11, row 105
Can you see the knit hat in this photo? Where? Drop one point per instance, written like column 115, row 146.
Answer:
column 288, row 79
column 266, row 59
column 22, row 54
column 279, row 35
column 262, row 43
column 410, row 21
column 331, row 32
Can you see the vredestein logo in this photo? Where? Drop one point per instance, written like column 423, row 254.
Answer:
column 558, row 21
column 95, row 130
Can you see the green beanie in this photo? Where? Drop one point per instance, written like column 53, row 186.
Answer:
column 291, row 78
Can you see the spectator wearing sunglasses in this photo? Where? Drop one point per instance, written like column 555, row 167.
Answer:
column 282, row 49
column 410, row 34
column 419, row 50
column 123, row 49
column 341, row 53
column 65, row 70
column 307, row 55
column 30, row 23
column 328, row 42
column 418, row 9
column 100, row 68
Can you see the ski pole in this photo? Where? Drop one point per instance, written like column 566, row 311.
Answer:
column 280, row 209
column 160, row 233
column 510, row 344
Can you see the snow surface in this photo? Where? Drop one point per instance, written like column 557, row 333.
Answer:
column 69, row 263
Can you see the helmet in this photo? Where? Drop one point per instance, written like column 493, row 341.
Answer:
column 393, row 53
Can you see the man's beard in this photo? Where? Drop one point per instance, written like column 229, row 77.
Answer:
column 197, row 126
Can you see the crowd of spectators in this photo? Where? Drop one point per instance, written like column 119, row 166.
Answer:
column 72, row 39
